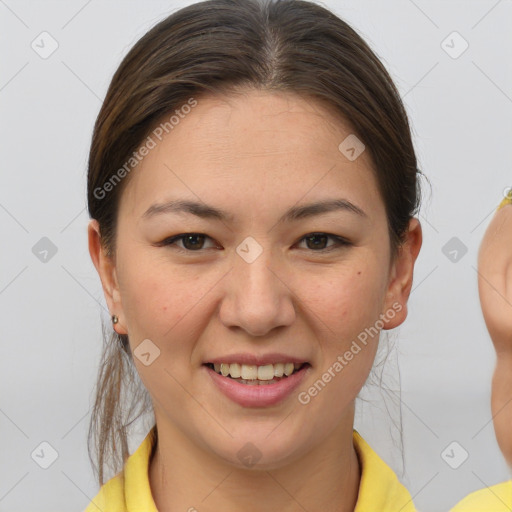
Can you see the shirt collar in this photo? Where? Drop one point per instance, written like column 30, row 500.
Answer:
column 379, row 488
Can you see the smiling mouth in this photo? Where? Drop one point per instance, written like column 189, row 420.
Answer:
column 257, row 375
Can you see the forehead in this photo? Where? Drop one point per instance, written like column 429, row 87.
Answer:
column 264, row 148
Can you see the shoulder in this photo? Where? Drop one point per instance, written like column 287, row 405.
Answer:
column 497, row 498
column 129, row 489
column 379, row 488
column 110, row 497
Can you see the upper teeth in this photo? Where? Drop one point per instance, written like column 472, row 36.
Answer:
column 251, row 371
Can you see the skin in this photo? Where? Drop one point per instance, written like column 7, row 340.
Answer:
column 495, row 291
column 276, row 151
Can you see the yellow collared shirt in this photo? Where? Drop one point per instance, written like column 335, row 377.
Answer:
column 130, row 491
column 497, row 498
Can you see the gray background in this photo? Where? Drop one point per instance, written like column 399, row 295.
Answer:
column 460, row 109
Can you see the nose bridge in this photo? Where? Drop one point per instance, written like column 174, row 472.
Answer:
column 259, row 299
column 253, row 267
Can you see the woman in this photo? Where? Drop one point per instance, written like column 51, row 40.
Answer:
column 252, row 184
column 495, row 290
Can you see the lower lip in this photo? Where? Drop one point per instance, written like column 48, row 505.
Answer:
column 258, row 395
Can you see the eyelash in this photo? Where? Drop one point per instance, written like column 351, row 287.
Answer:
column 340, row 242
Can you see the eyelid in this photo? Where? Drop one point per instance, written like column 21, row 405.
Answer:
column 340, row 242
column 170, row 241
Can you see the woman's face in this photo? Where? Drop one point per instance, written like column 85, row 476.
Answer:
column 255, row 283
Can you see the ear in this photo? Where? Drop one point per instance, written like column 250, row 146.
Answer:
column 106, row 269
column 401, row 274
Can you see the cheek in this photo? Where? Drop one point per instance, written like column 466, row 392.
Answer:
column 169, row 311
column 346, row 309
column 157, row 299
column 348, row 301
column 162, row 311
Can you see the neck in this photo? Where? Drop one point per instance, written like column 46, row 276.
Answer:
column 183, row 476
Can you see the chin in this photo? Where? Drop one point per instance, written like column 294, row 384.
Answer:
column 258, row 453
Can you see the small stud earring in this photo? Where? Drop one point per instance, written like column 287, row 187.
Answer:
column 115, row 320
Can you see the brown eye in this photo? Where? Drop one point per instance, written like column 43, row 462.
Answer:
column 194, row 242
column 317, row 242
column 191, row 242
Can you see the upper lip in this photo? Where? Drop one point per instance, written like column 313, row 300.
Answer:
column 258, row 360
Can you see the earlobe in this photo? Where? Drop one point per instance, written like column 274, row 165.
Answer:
column 107, row 272
column 401, row 277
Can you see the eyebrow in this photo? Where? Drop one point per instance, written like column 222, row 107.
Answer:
column 205, row 211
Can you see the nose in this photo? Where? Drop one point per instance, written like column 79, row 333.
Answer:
column 257, row 298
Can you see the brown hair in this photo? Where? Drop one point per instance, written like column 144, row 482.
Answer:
column 219, row 46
